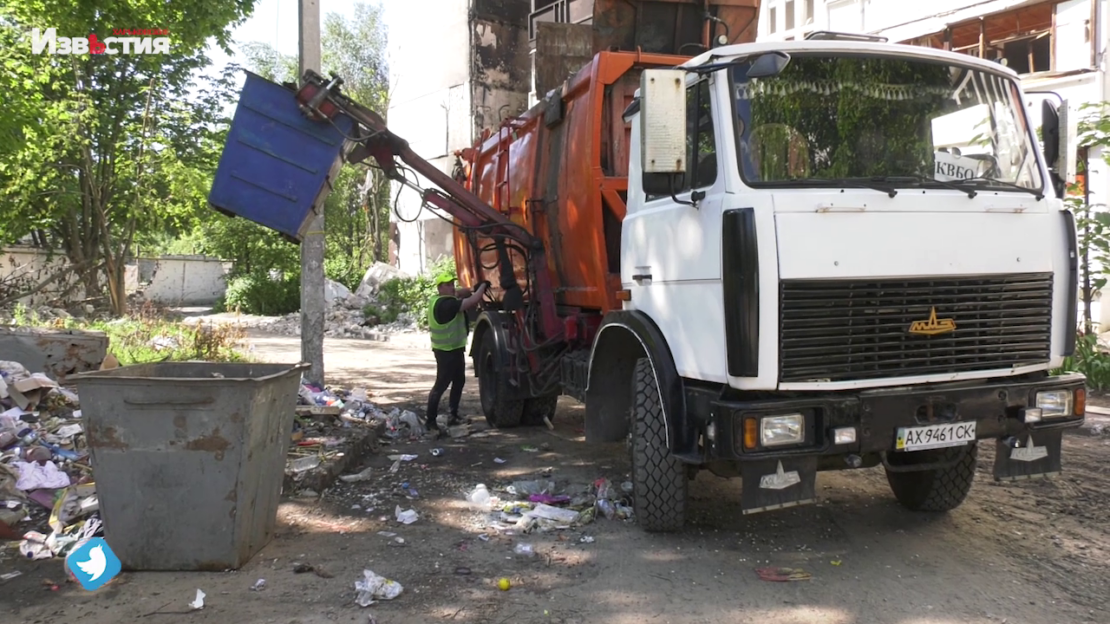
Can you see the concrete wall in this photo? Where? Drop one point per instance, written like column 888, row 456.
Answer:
column 29, row 266
column 174, row 280
column 183, row 280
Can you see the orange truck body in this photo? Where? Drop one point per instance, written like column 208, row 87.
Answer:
column 561, row 171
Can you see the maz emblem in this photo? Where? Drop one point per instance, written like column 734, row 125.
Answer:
column 933, row 326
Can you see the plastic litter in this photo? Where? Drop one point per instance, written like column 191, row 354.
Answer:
column 304, row 464
column 364, row 475
column 259, row 585
column 198, row 602
column 605, row 506
column 547, row 512
column 524, row 549
column 783, row 575
column 413, row 421
column 373, row 587
column 479, row 497
column 405, row 517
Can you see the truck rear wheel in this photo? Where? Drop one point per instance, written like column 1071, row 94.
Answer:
column 941, row 489
column 493, row 388
column 659, row 479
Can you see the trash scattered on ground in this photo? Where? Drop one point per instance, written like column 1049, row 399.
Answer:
column 524, row 549
column 503, row 584
column 363, row 475
column 586, row 539
column 783, row 575
column 498, row 460
column 301, row 568
column 198, row 602
column 47, row 493
column 259, row 585
column 372, row 588
column 406, row 517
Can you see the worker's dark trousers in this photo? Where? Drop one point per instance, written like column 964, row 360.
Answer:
column 450, row 371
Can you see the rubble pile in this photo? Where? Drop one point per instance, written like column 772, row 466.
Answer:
column 344, row 316
column 47, row 493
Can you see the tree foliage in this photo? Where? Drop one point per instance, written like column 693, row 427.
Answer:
column 101, row 148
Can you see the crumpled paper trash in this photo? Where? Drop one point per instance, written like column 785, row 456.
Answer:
column 373, row 587
column 198, row 603
column 32, row 476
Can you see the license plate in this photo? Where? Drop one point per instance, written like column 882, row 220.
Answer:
column 935, row 436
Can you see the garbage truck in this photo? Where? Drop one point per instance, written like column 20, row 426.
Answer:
column 765, row 261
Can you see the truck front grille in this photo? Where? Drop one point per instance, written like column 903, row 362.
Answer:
column 841, row 330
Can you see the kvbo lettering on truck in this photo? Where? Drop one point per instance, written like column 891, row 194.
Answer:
column 766, row 261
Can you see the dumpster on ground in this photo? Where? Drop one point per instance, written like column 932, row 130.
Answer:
column 189, row 459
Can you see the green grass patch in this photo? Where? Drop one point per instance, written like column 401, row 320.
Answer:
column 140, row 337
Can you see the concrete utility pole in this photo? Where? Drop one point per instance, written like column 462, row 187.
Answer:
column 312, row 247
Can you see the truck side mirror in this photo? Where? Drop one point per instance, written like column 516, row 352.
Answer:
column 1058, row 132
column 1050, row 132
column 662, row 130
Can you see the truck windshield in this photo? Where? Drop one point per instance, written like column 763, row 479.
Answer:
column 882, row 121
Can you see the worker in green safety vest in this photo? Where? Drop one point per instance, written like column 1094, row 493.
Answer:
column 449, row 328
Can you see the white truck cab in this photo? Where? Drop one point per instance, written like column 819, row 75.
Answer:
column 857, row 254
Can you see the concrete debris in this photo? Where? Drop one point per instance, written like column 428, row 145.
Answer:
column 375, row 276
column 56, row 352
column 339, row 322
column 334, row 291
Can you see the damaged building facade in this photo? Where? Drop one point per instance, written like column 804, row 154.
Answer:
column 459, row 68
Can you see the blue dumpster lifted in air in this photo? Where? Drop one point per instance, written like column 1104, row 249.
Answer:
column 278, row 165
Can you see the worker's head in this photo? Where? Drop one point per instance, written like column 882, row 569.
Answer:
column 445, row 284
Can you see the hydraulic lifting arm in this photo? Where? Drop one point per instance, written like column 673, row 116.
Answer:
column 319, row 98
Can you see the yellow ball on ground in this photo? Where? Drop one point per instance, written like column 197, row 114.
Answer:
column 503, row 584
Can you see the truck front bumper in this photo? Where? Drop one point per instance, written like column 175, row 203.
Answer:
column 869, row 422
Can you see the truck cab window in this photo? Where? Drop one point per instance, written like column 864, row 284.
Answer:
column 700, row 140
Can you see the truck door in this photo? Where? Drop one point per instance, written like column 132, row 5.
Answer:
column 672, row 247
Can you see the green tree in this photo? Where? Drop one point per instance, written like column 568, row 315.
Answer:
column 105, row 147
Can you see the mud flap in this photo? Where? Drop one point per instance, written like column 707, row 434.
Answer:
column 776, row 484
column 1037, row 455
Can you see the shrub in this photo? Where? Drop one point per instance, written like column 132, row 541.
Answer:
column 409, row 294
column 1090, row 360
column 260, row 294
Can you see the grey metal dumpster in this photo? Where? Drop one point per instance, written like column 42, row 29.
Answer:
column 188, row 459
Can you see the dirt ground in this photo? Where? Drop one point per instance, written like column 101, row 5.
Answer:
column 1033, row 552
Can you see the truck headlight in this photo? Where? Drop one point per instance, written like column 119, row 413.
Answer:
column 782, row 430
column 1055, row 403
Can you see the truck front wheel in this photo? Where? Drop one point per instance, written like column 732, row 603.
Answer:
column 493, row 388
column 940, row 489
column 659, row 479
